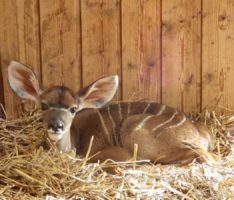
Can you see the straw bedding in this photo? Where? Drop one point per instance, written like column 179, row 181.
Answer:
column 27, row 171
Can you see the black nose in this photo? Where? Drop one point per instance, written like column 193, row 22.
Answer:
column 56, row 126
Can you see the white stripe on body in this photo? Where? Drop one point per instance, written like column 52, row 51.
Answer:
column 164, row 123
column 143, row 122
column 129, row 109
column 112, row 121
column 163, row 107
column 146, row 108
column 120, row 112
column 178, row 124
column 104, row 125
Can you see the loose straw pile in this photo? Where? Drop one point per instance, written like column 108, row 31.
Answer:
column 27, row 171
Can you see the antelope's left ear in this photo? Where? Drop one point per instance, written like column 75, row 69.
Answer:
column 98, row 93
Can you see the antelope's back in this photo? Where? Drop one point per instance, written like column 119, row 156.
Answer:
column 157, row 124
column 121, row 111
column 162, row 133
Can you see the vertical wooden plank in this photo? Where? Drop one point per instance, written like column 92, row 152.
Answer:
column 217, row 48
column 60, row 37
column 181, row 54
column 1, row 92
column 19, row 41
column 100, row 39
column 28, row 34
column 141, row 49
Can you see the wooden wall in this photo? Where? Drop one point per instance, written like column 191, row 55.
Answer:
column 178, row 52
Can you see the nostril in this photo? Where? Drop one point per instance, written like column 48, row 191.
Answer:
column 56, row 126
column 60, row 125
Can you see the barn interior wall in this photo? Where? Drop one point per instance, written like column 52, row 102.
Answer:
column 176, row 52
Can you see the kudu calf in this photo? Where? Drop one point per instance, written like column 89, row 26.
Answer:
column 163, row 134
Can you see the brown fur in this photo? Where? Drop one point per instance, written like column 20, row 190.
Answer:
column 163, row 134
column 164, row 145
column 59, row 96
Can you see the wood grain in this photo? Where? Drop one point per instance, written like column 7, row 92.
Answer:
column 19, row 41
column 141, row 49
column 100, row 39
column 1, row 92
column 217, row 48
column 60, row 38
column 181, row 54
column 178, row 52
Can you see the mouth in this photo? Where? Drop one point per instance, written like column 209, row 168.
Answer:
column 54, row 135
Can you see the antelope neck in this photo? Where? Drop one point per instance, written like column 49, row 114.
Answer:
column 64, row 144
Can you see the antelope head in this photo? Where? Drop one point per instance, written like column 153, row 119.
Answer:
column 59, row 104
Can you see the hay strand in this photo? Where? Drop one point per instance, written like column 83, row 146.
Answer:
column 27, row 171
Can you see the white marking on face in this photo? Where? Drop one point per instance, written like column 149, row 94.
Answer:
column 62, row 109
column 55, row 136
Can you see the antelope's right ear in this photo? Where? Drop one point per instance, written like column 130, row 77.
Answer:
column 23, row 81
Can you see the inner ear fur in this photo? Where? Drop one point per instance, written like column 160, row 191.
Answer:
column 99, row 93
column 23, row 81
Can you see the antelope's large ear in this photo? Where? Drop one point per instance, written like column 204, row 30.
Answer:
column 23, row 81
column 98, row 93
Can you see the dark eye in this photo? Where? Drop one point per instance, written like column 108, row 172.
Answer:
column 73, row 110
column 44, row 106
